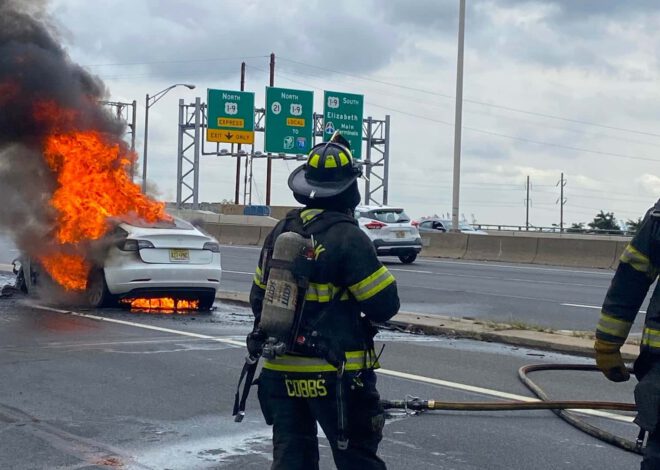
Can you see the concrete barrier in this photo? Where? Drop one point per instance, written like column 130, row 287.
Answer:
column 444, row 245
column 235, row 234
column 495, row 248
column 620, row 246
column 576, row 253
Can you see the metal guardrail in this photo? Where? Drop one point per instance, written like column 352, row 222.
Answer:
column 532, row 228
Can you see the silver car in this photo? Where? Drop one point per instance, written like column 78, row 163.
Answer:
column 391, row 232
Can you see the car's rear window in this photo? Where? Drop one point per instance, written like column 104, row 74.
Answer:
column 389, row 216
column 175, row 223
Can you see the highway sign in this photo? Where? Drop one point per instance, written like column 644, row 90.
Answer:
column 289, row 120
column 230, row 116
column 343, row 112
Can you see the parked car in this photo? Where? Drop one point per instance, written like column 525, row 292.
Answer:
column 442, row 225
column 391, row 231
column 166, row 259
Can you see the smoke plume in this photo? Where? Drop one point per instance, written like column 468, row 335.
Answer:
column 36, row 70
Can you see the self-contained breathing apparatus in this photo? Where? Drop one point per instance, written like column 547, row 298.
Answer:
column 287, row 271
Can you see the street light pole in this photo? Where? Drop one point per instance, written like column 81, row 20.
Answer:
column 149, row 101
column 458, row 121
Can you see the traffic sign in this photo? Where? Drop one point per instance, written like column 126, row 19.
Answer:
column 230, row 116
column 344, row 112
column 289, row 120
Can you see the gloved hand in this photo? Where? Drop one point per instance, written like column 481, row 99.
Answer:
column 610, row 362
column 255, row 342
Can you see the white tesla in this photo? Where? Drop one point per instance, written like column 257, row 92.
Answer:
column 166, row 259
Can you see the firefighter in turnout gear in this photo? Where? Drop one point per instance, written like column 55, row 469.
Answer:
column 637, row 271
column 326, row 374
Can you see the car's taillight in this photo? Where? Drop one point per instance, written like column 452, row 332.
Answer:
column 212, row 246
column 375, row 225
column 134, row 245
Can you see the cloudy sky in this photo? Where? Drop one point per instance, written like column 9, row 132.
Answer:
column 551, row 86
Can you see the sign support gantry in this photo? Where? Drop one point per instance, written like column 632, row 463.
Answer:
column 191, row 145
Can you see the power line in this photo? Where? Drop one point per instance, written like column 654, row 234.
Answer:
column 482, row 103
column 180, row 61
column 483, row 131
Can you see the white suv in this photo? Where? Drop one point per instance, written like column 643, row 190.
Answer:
column 391, row 232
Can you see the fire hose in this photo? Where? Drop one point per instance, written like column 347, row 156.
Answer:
column 560, row 408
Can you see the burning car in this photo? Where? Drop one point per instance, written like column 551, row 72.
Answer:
column 165, row 264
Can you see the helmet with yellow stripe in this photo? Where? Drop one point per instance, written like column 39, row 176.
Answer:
column 330, row 170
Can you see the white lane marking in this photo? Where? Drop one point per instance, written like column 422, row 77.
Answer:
column 393, row 373
column 494, row 393
column 413, row 271
column 591, row 306
column 141, row 325
column 508, row 266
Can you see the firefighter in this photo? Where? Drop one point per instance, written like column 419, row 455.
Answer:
column 328, row 378
column 638, row 269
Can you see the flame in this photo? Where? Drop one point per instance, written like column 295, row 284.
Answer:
column 93, row 185
column 70, row 271
column 161, row 304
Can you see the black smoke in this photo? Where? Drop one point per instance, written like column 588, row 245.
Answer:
column 35, row 68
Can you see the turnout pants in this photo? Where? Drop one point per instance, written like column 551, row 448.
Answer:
column 294, row 402
column 647, row 398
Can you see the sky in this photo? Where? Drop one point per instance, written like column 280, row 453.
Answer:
column 550, row 87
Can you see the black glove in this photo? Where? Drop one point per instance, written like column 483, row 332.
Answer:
column 255, row 342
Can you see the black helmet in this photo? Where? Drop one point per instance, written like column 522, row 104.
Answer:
column 329, row 170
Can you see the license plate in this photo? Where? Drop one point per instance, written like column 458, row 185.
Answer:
column 179, row 255
column 400, row 234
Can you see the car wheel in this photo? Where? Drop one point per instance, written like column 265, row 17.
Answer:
column 97, row 293
column 408, row 258
column 206, row 302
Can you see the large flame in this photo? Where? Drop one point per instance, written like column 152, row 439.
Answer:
column 93, row 185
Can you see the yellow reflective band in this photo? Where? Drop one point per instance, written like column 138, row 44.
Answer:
column 314, row 160
column 343, row 159
column 330, row 161
column 258, row 278
column 323, row 292
column 355, row 360
column 309, row 214
column 638, row 261
column 651, row 338
column 613, row 326
column 372, row 285
column 318, row 250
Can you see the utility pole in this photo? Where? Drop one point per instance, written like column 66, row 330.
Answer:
column 238, row 157
column 527, row 206
column 562, row 183
column 458, row 121
column 269, row 165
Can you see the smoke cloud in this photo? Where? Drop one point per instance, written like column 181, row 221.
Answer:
column 35, row 68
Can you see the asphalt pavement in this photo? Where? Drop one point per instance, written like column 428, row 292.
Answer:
column 85, row 389
column 547, row 296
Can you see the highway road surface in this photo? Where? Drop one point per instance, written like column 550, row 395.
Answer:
column 85, row 389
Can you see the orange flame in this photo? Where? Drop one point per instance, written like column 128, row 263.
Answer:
column 93, row 185
column 162, row 304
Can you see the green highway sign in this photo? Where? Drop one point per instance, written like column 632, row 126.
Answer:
column 289, row 120
column 230, row 116
column 344, row 112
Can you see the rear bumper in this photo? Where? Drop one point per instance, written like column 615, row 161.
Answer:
column 397, row 248
column 161, row 278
